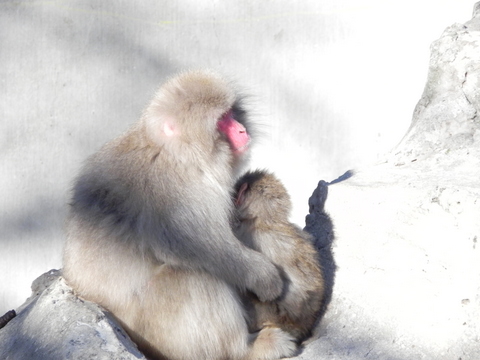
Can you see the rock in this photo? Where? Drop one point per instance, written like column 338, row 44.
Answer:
column 55, row 324
column 446, row 120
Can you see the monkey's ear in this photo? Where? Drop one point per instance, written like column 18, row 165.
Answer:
column 169, row 128
column 241, row 194
column 162, row 129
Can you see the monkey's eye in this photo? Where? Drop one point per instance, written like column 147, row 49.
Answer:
column 238, row 113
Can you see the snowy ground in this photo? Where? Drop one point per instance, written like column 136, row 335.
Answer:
column 407, row 283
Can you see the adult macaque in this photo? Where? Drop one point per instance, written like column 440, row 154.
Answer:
column 149, row 234
column 262, row 222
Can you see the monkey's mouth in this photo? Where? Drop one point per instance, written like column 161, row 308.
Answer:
column 242, row 149
column 240, row 141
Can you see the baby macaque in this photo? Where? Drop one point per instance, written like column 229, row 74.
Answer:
column 263, row 208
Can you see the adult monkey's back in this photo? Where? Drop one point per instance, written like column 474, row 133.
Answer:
column 149, row 235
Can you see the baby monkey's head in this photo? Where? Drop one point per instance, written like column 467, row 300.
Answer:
column 260, row 195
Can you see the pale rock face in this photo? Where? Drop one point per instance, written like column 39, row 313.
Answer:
column 446, row 120
column 55, row 324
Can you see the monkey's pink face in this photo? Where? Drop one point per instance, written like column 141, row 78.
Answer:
column 235, row 133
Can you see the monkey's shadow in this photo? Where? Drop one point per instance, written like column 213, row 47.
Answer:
column 320, row 226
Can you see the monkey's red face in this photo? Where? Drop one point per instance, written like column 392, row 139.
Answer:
column 235, row 133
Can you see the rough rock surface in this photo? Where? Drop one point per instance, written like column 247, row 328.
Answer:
column 405, row 268
column 54, row 324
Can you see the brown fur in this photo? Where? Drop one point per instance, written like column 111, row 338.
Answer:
column 263, row 208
